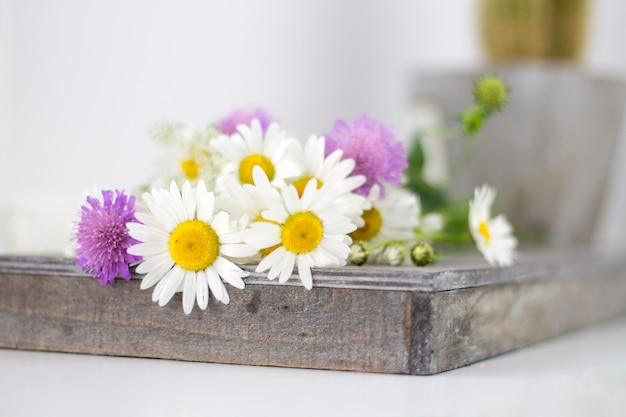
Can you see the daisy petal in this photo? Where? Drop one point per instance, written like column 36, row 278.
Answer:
column 202, row 290
column 215, row 283
column 287, row 267
column 230, row 272
column 189, row 291
column 167, row 287
column 189, row 201
column 238, row 251
column 304, row 271
column 148, row 249
column 157, row 263
column 267, row 262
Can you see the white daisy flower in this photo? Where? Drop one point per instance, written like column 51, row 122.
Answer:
column 493, row 236
column 185, row 246
column 189, row 155
column 250, row 147
column 393, row 218
column 247, row 200
column 305, row 231
column 334, row 173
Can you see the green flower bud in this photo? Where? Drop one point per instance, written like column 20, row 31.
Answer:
column 472, row 120
column 422, row 254
column 359, row 254
column 490, row 92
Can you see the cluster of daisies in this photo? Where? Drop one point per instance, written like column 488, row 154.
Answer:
column 243, row 191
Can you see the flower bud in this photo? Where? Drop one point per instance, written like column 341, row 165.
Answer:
column 359, row 254
column 472, row 119
column 490, row 92
column 393, row 254
column 422, row 254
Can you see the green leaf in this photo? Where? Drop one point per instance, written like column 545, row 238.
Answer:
column 431, row 197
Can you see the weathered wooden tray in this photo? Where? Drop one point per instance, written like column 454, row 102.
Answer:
column 403, row 320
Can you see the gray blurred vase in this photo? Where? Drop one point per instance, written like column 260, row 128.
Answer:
column 549, row 153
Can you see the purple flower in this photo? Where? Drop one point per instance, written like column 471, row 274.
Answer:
column 228, row 125
column 372, row 147
column 102, row 236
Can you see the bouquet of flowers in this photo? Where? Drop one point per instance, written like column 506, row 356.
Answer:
column 243, row 191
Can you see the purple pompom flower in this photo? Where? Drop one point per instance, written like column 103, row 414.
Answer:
column 102, row 236
column 376, row 154
column 228, row 125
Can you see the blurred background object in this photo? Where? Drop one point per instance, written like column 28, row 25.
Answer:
column 553, row 153
column 534, row 29
column 548, row 153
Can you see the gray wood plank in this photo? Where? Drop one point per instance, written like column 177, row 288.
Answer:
column 451, row 317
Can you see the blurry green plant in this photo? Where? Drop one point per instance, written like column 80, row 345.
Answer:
column 490, row 97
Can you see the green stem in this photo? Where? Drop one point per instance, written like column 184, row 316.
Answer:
column 443, row 133
column 462, row 162
column 384, row 243
column 440, row 236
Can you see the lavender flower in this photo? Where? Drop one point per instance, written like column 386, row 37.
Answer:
column 102, row 236
column 377, row 156
column 228, row 125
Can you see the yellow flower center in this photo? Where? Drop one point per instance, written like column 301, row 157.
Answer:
column 191, row 168
column 301, row 183
column 249, row 162
column 302, row 232
column 483, row 229
column 194, row 245
column 373, row 221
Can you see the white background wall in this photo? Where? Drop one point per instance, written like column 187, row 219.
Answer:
column 82, row 81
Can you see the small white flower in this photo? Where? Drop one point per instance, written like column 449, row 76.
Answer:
column 185, row 245
column 247, row 200
column 334, row 173
column 249, row 147
column 493, row 236
column 393, row 218
column 189, row 155
column 302, row 231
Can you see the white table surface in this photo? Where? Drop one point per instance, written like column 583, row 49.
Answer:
column 578, row 374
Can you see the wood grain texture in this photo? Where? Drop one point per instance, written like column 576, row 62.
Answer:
column 477, row 323
column 385, row 323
